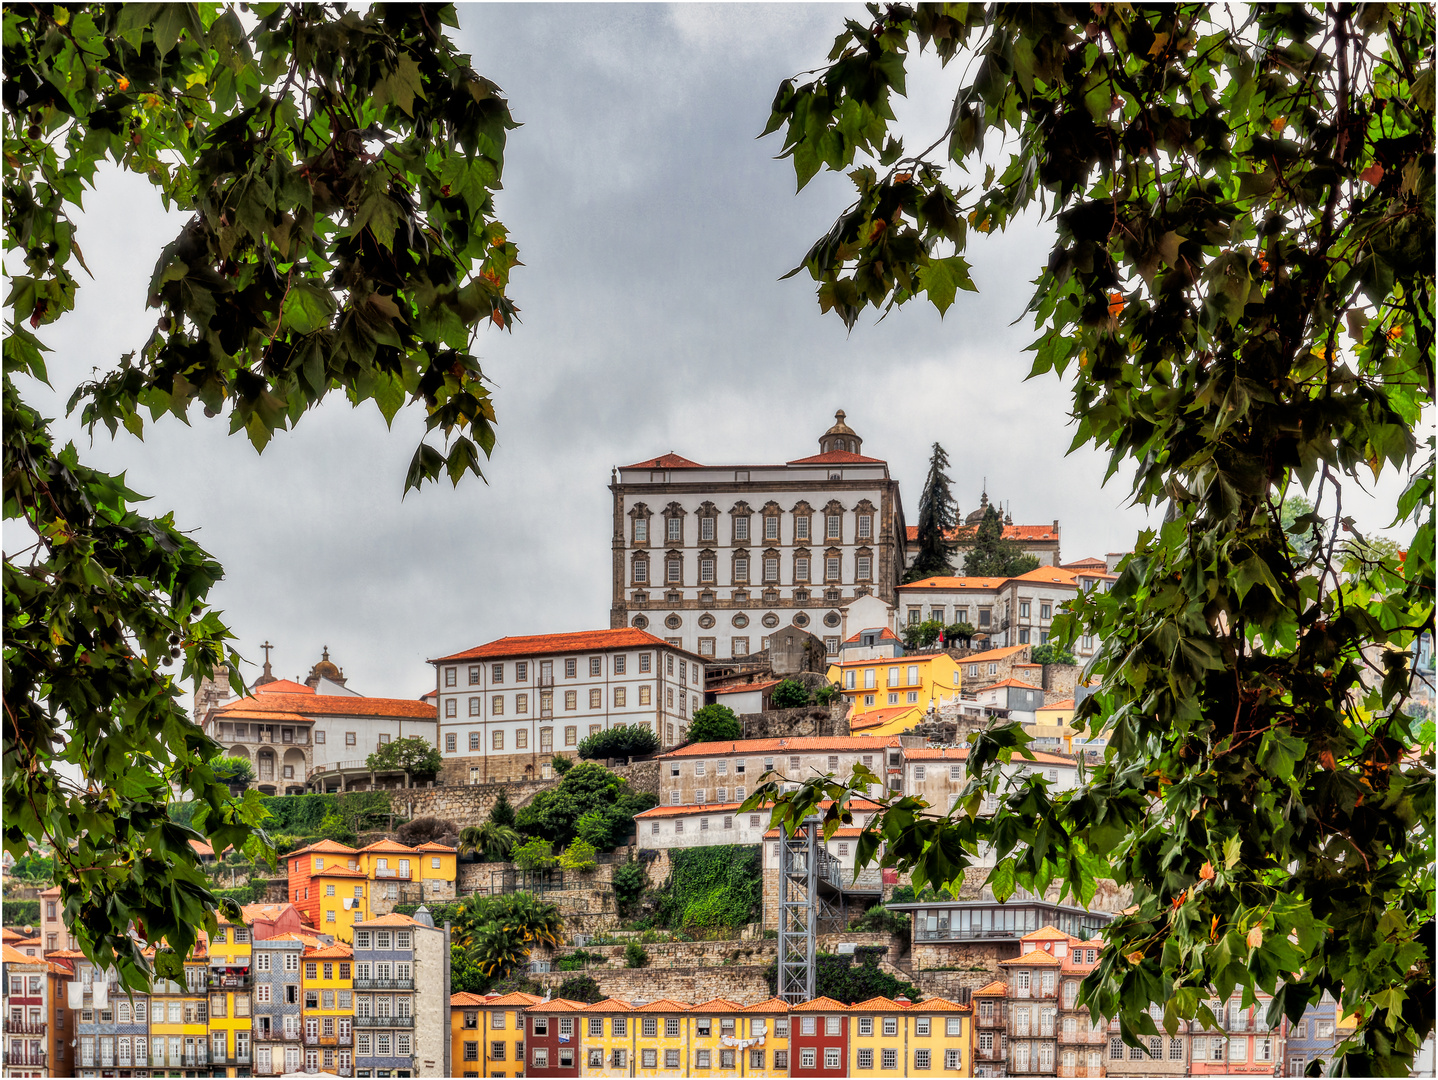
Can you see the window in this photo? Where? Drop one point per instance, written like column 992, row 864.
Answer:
column 596, row 698
column 540, row 1057
column 1175, row 1049
column 671, row 1059
column 645, row 696
column 833, row 526
column 921, row 1059
column 921, row 1026
column 831, row 568
column 641, row 529
column 889, row 1059
column 674, row 570
column 450, row 707
column 807, row 1058
column 801, row 569
column 701, row 1058
column 449, row 676
column 1046, row 611
column 1115, row 1049
column 571, row 699
column 771, row 568
column 863, row 567
column 451, row 742
column 497, row 739
column 649, row 1059
column 741, row 568
column 541, row 1025
column 641, row 570
column 1237, row 1051
column 521, row 706
column 866, row 1056
column 891, row 1026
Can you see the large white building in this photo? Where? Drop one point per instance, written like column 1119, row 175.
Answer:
column 715, row 558
column 507, row 707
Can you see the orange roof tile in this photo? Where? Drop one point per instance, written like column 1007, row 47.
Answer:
column 53, row 890
column 843, row 830
column 997, row 988
column 1011, row 532
column 268, row 912
column 770, row 1005
column 9, row 935
column 880, row 661
column 306, row 705
column 518, row 997
column 1048, row 933
column 956, row 583
column 12, row 955
column 465, row 998
column 392, row 919
column 886, row 635
column 696, row 808
column 877, row 1004
column 304, row 939
column 65, row 954
column 744, row 688
column 937, row 1004
column 820, row 1004
column 433, row 846
column 609, row 1004
column 282, row 686
column 323, row 847
column 1011, row 682
column 663, row 1005
column 1066, row 703
column 330, row 952
column 339, row 871
column 626, row 637
column 670, row 460
column 838, row 457
column 717, row 1005
column 1049, row 575
column 797, row 745
column 386, row 845
column 1030, row 959
column 961, row 753
column 57, row 968
column 557, row 1005
column 877, row 717
column 993, row 654
column 236, row 713
column 1085, row 564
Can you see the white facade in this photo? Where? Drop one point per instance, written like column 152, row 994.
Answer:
column 538, row 696
column 714, row 559
column 699, row 826
column 728, row 772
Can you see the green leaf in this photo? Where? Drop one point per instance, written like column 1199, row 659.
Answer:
column 941, row 278
column 307, row 308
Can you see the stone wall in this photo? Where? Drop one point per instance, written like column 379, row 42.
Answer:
column 463, row 804
column 1060, row 680
column 522, row 767
column 809, row 720
column 642, row 775
column 689, row 985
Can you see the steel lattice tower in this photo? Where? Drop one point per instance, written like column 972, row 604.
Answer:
column 798, row 912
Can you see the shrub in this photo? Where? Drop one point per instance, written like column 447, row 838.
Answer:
column 958, row 632
column 881, row 920
column 20, row 913
column 579, row 855
column 635, row 955
column 630, row 881
column 414, row 755
column 425, row 830
column 621, row 741
column 555, row 814
column 714, row 723
column 1052, row 654
column 561, row 764
column 580, row 988
column 536, row 854
column 333, row 827
column 789, row 694
column 37, row 868
column 711, row 889
column 576, row 961
column 502, row 813
column 233, row 770
column 826, row 695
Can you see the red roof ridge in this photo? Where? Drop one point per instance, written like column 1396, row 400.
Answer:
column 820, row 1004
column 997, row 988
column 624, row 637
column 792, row 744
column 837, row 457
column 742, row 687
column 282, row 686
column 670, row 460
column 1011, row 682
column 885, row 634
column 300, row 705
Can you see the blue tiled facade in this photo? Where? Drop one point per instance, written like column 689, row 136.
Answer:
column 384, row 1000
column 276, row 964
column 103, row 1039
column 1314, row 1036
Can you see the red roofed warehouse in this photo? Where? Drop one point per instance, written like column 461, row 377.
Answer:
column 715, row 558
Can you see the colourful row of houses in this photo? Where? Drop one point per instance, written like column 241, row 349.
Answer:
column 525, row 1035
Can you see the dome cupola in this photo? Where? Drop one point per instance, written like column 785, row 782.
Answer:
column 840, row 437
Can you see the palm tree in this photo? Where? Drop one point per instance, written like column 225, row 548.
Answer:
column 497, row 950
column 536, row 921
column 492, row 841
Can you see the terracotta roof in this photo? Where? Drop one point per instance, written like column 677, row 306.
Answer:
column 609, row 1004
column 663, row 1005
column 268, row 912
column 386, row 846
column 12, row 955
column 997, row 988
column 1048, row 575
column 885, row 635
column 29, row 941
column 330, row 952
column 841, row 831
column 393, row 919
column 58, row 968
column 878, row 1004
column 771, row 1005
column 626, row 637
column 1085, row 563
column 1029, row 959
column 820, row 1004
column 670, row 460
column 922, row 658
column 339, row 871
column 877, row 717
column 516, row 998
column 53, row 890
column 937, row 1004
column 961, row 753
column 307, row 940
column 65, row 954
column 744, row 688
column 11, row 935
column 324, row 847
column 1048, row 933
column 1009, row 682
column 233, row 712
column 282, row 686
column 201, row 848
column 1066, row 703
column 696, row 808
column 465, row 998
column 717, row 1005
column 956, row 583
column 992, row 654
column 1011, row 532
column 326, row 705
column 557, row 1005
column 798, row 745
column 838, row 457
column 433, row 846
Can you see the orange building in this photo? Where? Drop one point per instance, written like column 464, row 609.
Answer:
column 302, row 867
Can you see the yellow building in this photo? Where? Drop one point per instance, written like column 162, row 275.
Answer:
column 501, row 1036
column 387, row 863
column 179, row 1020
column 343, row 898
column 609, row 1034
column 466, row 1034
column 1052, row 727
column 896, row 1036
column 438, row 869
column 327, row 994
column 884, row 722
column 767, row 1021
column 661, row 1046
column 715, row 1028
column 911, row 681
column 230, row 982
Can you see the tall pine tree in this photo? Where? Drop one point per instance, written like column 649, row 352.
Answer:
column 992, row 555
column 937, row 516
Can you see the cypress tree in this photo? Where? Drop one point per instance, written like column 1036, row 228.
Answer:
column 937, row 516
column 992, row 555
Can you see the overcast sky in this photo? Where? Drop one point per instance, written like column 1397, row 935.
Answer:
column 654, row 228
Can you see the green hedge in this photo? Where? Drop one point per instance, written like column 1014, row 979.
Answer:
column 20, row 913
column 711, row 890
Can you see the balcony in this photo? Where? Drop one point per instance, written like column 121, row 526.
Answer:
column 384, row 1021
column 384, row 984
column 277, row 1036
column 24, row 1027
column 192, row 1061
column 991, row 1054
column 329, row 1040
column 545, row 680
column 398, row 875
column 229, row 982
column 26, row 1058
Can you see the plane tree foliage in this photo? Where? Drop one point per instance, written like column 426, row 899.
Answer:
column 338, row 172
column 1239, row 296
